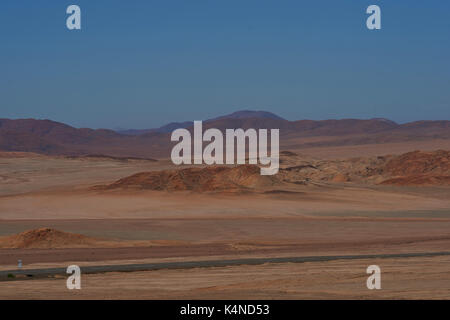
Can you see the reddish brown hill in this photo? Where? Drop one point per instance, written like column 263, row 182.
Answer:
column 214, row 178
column 419, row 168
column 418, row 163
column 54, row 138
column 419, row 180
column 48, row 238
column 51, row 130
column 49, row 137
column 413, row 168
column 45, row 238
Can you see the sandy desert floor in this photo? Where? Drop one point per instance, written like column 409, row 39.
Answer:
column 153, row 226
column 412, row 278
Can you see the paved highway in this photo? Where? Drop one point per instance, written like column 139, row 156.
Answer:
column 50, row 272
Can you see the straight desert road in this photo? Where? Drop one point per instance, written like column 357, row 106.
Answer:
column 49, row 272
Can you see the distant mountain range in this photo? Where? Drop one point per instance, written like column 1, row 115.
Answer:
column 244, row 114
column 55, row 138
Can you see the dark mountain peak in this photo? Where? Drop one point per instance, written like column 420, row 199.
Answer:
column 244, row 114
column 384, row 120
column 174, row 125
column 238, row 115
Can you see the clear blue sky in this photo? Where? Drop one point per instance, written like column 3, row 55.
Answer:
column 141, row 64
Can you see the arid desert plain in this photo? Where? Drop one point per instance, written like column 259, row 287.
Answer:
column 384, row 205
